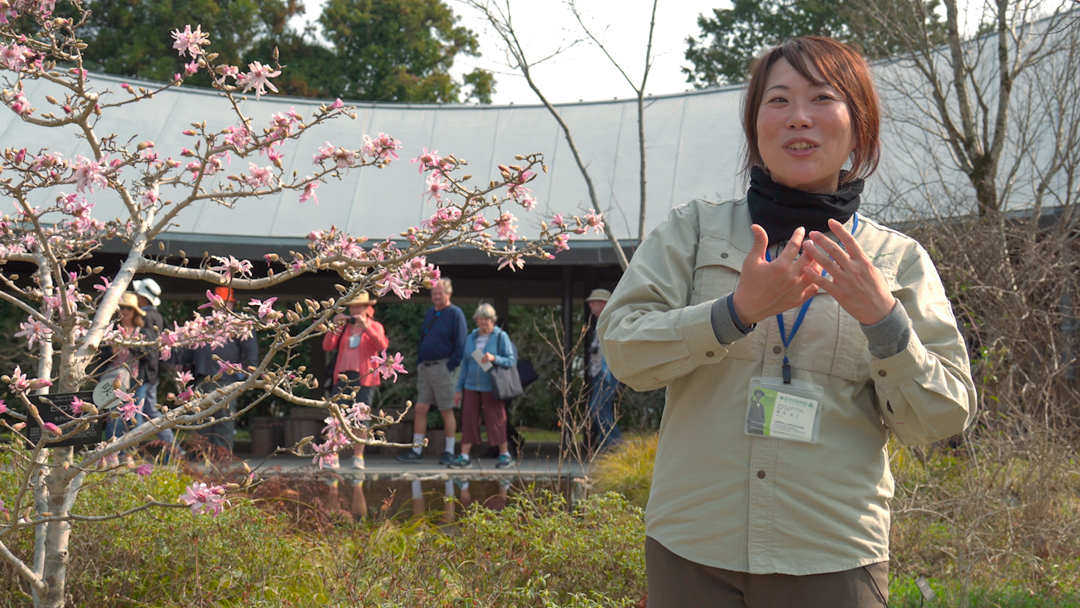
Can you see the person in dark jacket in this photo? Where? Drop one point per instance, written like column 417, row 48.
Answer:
column 148, row 292
column 442, row 345
column 202, row 364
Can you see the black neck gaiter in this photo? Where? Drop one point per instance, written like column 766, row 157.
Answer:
column 780, row 210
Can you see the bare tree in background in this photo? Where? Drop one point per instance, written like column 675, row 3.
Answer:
column 639, row 90
column 499, row 17
column 987, row 126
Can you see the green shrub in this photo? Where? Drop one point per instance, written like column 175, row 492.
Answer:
column 627, row 468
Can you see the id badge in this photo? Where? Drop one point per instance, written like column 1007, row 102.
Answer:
column 784, row 411
column 354, row 341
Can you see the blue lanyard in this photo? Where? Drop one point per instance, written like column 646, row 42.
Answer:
column 786, row 339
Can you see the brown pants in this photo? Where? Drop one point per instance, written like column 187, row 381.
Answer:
column 675, row 582
column 494, row 417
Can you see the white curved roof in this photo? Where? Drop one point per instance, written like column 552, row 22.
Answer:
column 693, row 147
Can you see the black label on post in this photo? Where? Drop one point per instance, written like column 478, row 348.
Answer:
column 59, row 413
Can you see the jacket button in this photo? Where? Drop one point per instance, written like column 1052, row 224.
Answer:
column 776, row 350
column 761, row 474
column 882, row 373
column 723, row 255
column 710, row 354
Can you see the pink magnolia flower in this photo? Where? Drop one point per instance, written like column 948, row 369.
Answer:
column 19, row 382
column 506, row 227
column 52, row 428
column 34, row 331
column 337, row 105
column 595, row 220
column 513, row 260
column 435, row 185
column 18, row 103
column 232, row 267
column 229, row 369
column 258, row 78
column 558, row 220
column 191, row 68
column 204, row 499
column 309, row 192
column 325, row 454
column 144, row 470
column 381, row 148
column 190, row 42
column 3, row 407
column 258, row 176
column 105, row 283
column 14, row 57
column 88, row 173
column 127, row 409
column 427, row 160
column 185, row 377
column 358, row 413
column 80, row 407
column 561, row 242
column 389, row 366
column 265, row 307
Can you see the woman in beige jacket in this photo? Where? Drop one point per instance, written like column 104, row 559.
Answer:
column 793, row 335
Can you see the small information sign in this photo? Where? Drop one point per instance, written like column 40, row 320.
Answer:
column 59, row 413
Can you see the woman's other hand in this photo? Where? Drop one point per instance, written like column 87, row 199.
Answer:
column 457, row 399
column 489, row 358
column 853, row 280
column 767, row 288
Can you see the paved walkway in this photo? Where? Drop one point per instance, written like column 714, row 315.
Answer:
column 387, row 467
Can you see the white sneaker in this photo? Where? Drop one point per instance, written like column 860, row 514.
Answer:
column 358, row 462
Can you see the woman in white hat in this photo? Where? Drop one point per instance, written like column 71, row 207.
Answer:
column 358, row 337
column 122, row 363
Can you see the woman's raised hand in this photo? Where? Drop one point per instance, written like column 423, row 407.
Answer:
column 769, row 288
column 853, row 279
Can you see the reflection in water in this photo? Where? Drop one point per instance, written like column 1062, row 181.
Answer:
column 426, row 496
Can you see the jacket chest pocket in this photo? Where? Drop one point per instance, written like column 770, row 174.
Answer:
column 716, row 274
column 716, row 270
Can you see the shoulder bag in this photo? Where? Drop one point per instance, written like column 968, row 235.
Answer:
column 505, row 382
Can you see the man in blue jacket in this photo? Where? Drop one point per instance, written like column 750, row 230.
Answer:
column 442, row 345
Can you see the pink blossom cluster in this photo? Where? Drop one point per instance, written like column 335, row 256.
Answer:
column 408, row 279
column 231, row 267
column 89, row 173
column 387, row 366
column 16, row 57
column 212, row 330
column 204, row 499
column 515, row 188
column 442, row 217
column 336, row 438
column 10, row 9
column 382, row 148
column 17, row 101
column 34, row 331
column 20, row 383
column 431, row 161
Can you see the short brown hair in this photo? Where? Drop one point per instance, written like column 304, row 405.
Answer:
column 845, row 70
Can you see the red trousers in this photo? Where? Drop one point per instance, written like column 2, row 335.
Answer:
column 494, row 417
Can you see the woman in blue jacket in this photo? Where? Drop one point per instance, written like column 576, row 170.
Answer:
column 487, row 345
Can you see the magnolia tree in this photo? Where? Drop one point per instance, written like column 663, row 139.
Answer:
column 71, row 308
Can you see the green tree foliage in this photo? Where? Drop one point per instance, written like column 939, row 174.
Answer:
column 379, row 50
column 731, row 38
column 132, row 37
column 401, row 50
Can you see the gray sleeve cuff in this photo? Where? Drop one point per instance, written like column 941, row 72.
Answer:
column 726, row 326
column 890, row 336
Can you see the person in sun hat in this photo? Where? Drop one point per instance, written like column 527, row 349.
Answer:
column 121, row 364
column 603, row 387
column 357, row 337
